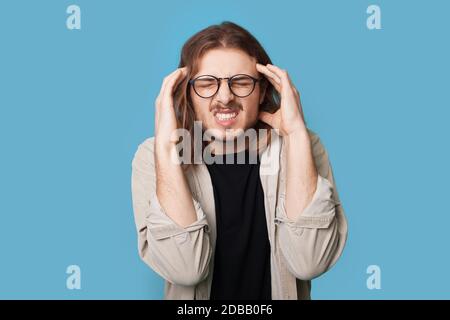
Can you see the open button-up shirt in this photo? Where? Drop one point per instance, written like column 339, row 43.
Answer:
column 301, row 249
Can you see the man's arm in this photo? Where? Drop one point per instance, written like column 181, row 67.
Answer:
column 312, row 236
column 312, row 225
column 301, row 173
column 172, row 188
column 180, row 255
column 173, row 234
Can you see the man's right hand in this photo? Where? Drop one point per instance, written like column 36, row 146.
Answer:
column 165, row 118
column 170, row 179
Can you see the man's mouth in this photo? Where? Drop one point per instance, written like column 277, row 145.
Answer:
column 225, row 117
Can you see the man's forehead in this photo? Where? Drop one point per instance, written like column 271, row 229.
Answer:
column 226, row 62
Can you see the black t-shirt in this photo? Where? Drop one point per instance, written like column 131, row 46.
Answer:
column 242, row 253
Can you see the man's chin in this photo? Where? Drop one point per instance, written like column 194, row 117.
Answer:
column 225, row 134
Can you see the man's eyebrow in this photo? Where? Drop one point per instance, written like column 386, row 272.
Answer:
column 232, row 75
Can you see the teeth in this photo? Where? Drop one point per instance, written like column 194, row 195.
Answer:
column 226, row 116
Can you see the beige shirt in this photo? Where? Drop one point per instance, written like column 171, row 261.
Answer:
column 301, row 249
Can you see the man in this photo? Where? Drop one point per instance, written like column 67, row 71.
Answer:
column 227, row 230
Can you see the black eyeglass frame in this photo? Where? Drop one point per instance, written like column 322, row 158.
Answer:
column 219, row 82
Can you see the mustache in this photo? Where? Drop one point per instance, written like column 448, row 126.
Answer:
column 230, row 106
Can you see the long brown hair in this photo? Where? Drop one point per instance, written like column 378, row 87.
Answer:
column 224, row 35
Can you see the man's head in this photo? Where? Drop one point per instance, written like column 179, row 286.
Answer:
column 230, row 103
column 217, row 52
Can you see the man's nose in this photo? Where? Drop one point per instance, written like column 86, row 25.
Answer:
column 224, row 95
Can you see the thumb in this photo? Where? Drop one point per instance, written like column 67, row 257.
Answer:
column 267, row 118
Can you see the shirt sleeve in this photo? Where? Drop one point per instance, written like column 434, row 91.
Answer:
column 179, row 255
column 313, row 241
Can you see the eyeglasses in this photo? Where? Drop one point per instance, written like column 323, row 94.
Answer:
column 241, row 85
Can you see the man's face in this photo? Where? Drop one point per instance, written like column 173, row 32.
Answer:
column 224, row 110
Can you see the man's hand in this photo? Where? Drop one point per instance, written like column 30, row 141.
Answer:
column 165, row 119
column 289, row 118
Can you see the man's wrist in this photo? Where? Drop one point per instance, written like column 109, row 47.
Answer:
column 300, row 134
column 164, row 149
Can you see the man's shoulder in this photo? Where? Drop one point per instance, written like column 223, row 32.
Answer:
column 148, row 144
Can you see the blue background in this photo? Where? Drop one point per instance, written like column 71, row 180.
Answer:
column 76, row 103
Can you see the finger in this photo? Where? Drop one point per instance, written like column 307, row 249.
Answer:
column 174, row 76
column 263, row 69
column 273, row 79
column 163, row 88
column 275, row 84
column 170, row 83
column 282, row 74
column 286, row 82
